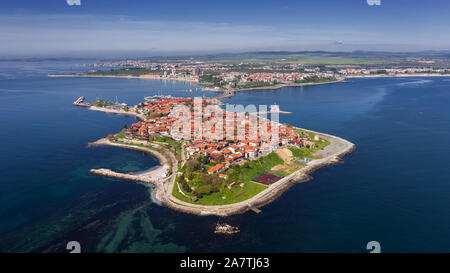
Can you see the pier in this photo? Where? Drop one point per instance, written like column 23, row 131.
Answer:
column 226, row 94
column 112, row 174
column 256, row 210
column 270, row 112
column 80, row 102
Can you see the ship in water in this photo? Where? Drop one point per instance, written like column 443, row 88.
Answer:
column 225, row 229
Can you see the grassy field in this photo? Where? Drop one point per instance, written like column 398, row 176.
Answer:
column 300, row 153
column 307, row 58
column 337, row 61
column 175, row 145
column 238, row 186
column 252, row 169
column 225, row 196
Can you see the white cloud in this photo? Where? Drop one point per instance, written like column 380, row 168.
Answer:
column 73, row 2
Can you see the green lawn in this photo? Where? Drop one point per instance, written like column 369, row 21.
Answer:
column 240, row 175
column 121, row 134
column 178, row 194
column 176, row 145
column 302, row 152
column 254, row 168
column 236, row 194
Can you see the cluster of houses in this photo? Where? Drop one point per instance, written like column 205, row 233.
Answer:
column 161, row 105
column 270, row 77
column 257, row 136
column 160, row 124
column 228, row 152
column 392, row 71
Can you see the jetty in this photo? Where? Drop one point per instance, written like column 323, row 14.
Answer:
column 80, row 102
column 256, row 210
column 226, row 94
column 274, row 109
column 112, row 174
column 270, row 112
column 154, row 176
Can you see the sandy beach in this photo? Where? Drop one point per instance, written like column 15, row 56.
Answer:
column 153, row 176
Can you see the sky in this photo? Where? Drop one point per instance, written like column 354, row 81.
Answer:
column 108, row 28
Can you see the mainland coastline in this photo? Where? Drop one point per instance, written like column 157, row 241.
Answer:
column 206, row 88
column 229, row 92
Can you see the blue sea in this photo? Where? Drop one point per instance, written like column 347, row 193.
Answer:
column 394, row 189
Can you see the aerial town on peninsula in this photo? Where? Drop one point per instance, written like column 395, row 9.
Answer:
column 221, row 161
column 213, row 158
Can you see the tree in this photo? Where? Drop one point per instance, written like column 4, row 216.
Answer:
column 189, row 175
column 215, row 187
column 204, row 159
column 183, row 184
column 204, row 190
column 193, row 164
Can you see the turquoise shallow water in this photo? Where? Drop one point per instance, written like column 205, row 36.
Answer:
column 393, row 189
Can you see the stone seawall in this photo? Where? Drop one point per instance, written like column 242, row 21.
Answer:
column 332, row 154
column 112, row 174
column 341, row 147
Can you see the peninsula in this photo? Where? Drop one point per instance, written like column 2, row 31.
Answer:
column 205, row 175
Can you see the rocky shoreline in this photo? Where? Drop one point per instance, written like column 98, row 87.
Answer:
column 331, row 154
column 334, row 152
column 272, row 192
